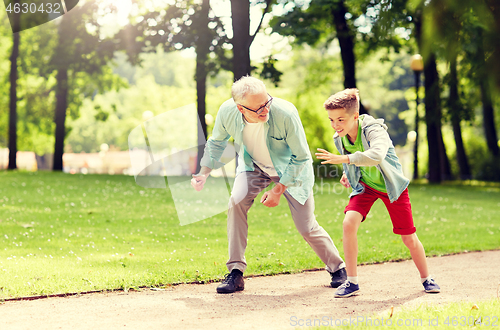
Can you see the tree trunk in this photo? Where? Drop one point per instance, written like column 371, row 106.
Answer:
column 240, row 14
column 444, row 161
column 489, row 118
column 202, row 51
column 455, row 108
column 60, row 117
column 13, row 92
column 488, row 112
column 493, row 63
column 432, row 118
column 346, row 42
column 417, row 124
column 417, row 21
column 439, row 165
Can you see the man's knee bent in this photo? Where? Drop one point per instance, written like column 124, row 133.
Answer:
column 307, row 228
column 246, row 188
column 241, row 200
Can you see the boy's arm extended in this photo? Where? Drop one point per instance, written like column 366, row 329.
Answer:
column 379, row 142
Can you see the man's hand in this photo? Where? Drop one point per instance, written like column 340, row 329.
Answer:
column 331, row 158
column 198, row 181
column 344, row 181
column 272, row 197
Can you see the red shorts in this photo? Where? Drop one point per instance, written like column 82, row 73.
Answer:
column 399, row 211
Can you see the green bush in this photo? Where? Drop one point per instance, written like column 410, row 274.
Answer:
column 326, row 170
column 484, row 166
column 488, row 169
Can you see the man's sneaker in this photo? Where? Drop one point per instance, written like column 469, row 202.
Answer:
column 431, row 286
column 347, row 289
column 232, row 282
column 339, row 277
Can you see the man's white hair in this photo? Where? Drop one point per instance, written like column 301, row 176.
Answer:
column 246, row 86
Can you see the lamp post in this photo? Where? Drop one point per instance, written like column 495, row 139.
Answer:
column 417, row 65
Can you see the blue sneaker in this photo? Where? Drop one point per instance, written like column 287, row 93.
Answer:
column 431, row 287
column 347, row 289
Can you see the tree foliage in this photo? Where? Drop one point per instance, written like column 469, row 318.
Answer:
column 324, row 21
column 83, row 69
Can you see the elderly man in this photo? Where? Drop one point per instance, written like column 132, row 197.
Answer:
column 273, row 148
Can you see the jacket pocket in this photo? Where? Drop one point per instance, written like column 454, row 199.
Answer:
column 279, row 146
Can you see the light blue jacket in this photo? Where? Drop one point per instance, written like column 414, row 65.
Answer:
column 379, row 152
column 286, row 141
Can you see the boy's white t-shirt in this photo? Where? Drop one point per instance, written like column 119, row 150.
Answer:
column 255, row 143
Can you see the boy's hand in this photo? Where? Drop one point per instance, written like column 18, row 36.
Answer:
column 331, row 158
column 344, row 181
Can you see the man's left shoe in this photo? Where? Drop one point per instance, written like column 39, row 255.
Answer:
column 431, row 287
column 339, row 277
column 233, row 282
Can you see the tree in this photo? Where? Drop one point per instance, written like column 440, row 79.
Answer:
column 191, row 25
column 450, row 21
column 484, row 85
column 33, row 101
column 202, row 52
column 242, row 39
column 16, row 21
column 433, row 120
column 345, row 36
column 318, row 22
column 81, row 61
column 489, row 12
column 456, row 110
column 439, row 166
column 405, row 14
column 196, row 33
column 124, row 108
column 240, row 16
column 36, row 90
column 480, row 22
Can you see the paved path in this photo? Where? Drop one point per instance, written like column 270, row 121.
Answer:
column 275, row 302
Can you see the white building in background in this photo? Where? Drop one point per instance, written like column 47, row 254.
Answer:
column 109, row 162
column 26, row 160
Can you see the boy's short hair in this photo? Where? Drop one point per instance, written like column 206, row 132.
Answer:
column 246, row 86
column 347, row 99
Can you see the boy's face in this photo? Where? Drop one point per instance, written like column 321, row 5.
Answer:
column 343, row 122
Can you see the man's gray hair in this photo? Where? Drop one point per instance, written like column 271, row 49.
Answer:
column 247, row 86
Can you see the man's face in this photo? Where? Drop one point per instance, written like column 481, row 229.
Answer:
column 343, row 122
column 254, row 102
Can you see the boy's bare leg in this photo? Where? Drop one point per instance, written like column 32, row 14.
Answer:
column 351, row 224
column 417, row 254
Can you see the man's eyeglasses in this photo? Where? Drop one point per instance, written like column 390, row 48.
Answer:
column 259, row 110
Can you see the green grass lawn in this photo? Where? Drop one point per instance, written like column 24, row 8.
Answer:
column 458, row 315
column 71, row 233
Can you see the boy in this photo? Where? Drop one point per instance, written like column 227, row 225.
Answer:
column 372, row 169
